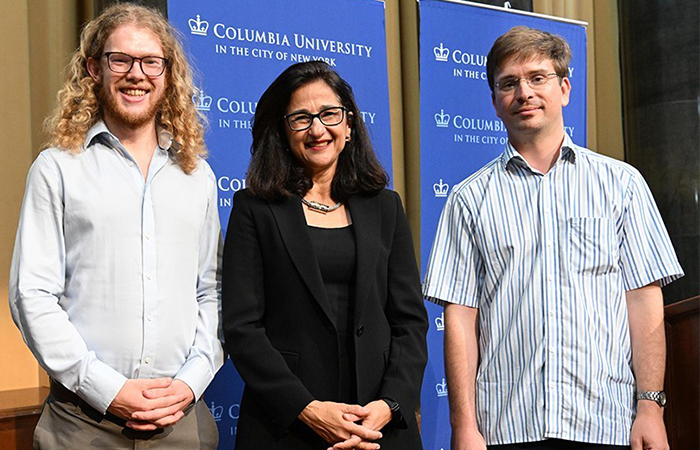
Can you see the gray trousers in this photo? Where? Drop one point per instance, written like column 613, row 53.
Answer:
column 66, row 424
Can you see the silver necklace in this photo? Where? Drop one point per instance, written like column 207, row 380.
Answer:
column 320, row 207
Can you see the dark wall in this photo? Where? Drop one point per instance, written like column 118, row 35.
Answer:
column 660, row 77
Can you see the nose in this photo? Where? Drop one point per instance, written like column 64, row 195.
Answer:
column 317, row 128
column 524, row 91
column 136, row 70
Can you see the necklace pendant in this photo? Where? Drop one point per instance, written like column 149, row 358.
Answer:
column 320, row 207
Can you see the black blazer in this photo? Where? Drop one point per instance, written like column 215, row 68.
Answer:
column 280, row 331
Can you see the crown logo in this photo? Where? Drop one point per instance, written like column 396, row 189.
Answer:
column 440, row 320
column 201, row 101
column 442, row 119
column 441, row 53
column 199, row 26
column 441, row 389
column 440, row 189
column 216, row 411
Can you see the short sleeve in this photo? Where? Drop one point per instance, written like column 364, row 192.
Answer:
column 455, row 269
column 646, row 252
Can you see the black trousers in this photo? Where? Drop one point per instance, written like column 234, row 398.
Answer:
column 556, row 444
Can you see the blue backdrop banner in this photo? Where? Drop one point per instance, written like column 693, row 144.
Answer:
column 460, row 133
column 239, row 47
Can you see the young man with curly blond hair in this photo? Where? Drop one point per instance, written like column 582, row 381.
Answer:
column 115, row 275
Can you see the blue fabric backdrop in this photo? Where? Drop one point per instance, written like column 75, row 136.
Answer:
column 460, row 133
column 239, row 47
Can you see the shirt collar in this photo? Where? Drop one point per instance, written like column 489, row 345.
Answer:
column 567, row 152
column 100, row 133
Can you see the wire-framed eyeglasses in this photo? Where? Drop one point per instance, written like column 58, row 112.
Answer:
column 329, row 117
column 152, row 66
column 534, row 81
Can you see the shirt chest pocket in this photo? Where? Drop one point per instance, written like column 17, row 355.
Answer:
column 593, row 248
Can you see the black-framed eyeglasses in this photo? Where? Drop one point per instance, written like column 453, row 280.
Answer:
column 534, row 81
column 329, row 117
column 152, row 66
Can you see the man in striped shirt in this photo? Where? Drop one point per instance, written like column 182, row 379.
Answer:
column 549, row 262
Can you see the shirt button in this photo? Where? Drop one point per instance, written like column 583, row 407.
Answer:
column 551, row 314
column 148, row 237
column 551, row 349
column 551, row 386
column 550, row 278
column 131, row 164
column 150, row 318
column 149, row 276
column 549, row 244
column 147, row 360
column 360, row 330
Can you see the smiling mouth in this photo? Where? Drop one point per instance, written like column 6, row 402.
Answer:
column 527, row 109
column 317, row 144
column 133, row 92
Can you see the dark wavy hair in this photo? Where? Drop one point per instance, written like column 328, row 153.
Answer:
column 275, row 174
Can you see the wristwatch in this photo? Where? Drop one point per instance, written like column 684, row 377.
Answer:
column 655, row 396
column 395, row 410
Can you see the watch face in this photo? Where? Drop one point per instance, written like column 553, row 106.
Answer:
column 662, row 398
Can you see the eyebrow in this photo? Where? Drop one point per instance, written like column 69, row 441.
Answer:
column 527, row 74
column 134, row 56
column 306, row 111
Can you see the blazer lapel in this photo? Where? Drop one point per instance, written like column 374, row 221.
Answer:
column 295, row 234
column 366, row 218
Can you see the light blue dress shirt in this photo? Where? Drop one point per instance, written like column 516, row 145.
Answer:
column 115, row 277
column 547, row 259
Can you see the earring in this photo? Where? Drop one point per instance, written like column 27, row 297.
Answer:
column 347, row 139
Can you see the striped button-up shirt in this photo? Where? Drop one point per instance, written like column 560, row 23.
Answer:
column 547, row 259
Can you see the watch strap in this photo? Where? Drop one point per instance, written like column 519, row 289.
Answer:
column 655, row 396
column 395, row 409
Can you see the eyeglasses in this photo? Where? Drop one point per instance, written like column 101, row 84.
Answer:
column 329, row 117
column 152, row 66
column 534, row 81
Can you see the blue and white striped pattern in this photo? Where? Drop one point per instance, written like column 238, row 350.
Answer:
column 547, row 259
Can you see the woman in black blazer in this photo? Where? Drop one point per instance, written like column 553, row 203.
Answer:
column 322, row 310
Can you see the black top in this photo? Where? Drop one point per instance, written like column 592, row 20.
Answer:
column 336, row 254
column 277, row 319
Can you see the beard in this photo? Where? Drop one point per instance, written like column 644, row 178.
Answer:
column 111, row 106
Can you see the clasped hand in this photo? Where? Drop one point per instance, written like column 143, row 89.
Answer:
column 149, row 404
column 347, row 426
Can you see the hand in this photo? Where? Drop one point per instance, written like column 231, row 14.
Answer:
column 467, row 439
column 378, row 415
column 355, row 442
column 178, row 395
column 648, row 431
column 326, row 419
column 130, row 397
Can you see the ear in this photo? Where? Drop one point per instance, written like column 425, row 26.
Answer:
column 493, row 102
column 350, row 120
column 565, row 91
column 94, row 69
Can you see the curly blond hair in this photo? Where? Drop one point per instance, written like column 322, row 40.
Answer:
column 78, row 107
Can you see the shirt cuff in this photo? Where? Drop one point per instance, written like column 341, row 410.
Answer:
column 196, row 374
column 101, row 386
